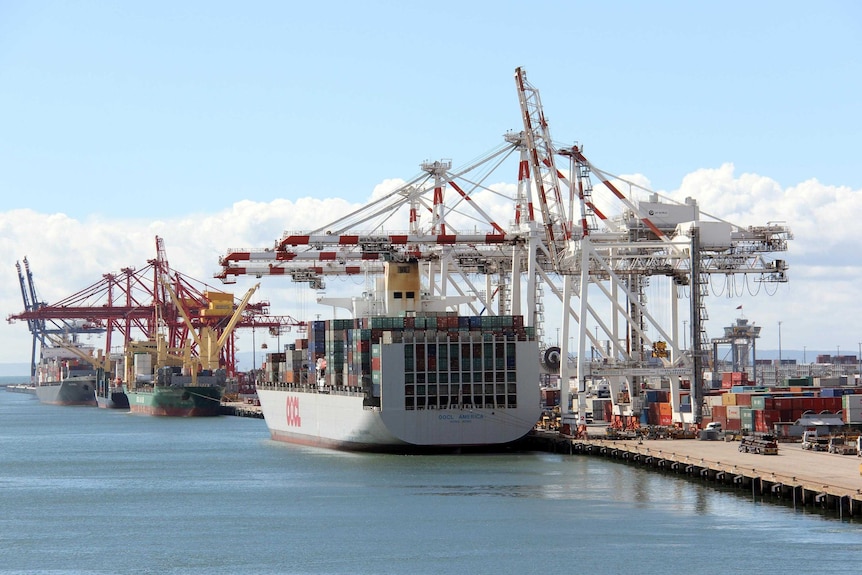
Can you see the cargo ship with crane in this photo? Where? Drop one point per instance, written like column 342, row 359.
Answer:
column 175, row 382
column 63, row 376
column 177, row 337
column 596, row 251
column 405, row 374
column 90, row 363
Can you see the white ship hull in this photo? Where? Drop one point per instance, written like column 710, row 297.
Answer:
column 342, row 420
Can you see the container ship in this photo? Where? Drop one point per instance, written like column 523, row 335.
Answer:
column 63, row 377
column 411, row 378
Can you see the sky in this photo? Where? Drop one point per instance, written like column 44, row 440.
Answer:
column 218, row 125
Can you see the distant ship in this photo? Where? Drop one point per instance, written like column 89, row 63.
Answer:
column 157, row 388
column 411, row 378
column 159, row 380
column 63, row 377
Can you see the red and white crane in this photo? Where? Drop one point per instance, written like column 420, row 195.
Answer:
column 603, row 245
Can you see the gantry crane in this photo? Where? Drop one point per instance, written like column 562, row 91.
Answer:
column 43, row 328
column 137, row 305
column 599, row 246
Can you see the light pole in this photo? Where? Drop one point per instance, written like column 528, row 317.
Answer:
column 804, row 362
column 779, row 353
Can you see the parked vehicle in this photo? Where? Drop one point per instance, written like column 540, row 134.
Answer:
column 841, row 445
column 764, row 445
column 813, row 442
column 712, row 432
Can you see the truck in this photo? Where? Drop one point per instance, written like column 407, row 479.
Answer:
column 764, row 444
column 814, row 442
column 842, row 445
column 712, row 432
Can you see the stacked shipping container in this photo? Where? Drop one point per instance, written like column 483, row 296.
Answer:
column 449, row 359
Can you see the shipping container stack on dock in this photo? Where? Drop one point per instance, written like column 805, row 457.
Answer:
column 739, row 405
column 449, row 359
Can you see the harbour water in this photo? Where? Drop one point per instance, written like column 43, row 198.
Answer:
column 84, row 490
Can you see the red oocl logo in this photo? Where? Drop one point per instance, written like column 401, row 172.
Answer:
column 292, row 410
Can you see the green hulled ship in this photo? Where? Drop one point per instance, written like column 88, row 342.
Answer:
column 177, row 399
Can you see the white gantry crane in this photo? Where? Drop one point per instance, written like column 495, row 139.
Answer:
column 597, row 251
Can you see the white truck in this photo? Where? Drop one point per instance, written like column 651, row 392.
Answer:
column 712, row 431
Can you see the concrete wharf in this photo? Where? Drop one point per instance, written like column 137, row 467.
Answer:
column 241, row 409
column 827, row 481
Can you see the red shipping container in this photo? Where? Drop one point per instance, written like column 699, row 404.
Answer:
column 743, row 399
column 782, row 403
column 733, row 425
column 764, row 420
column 653, row 414
column 719, row 411
column 666, row 420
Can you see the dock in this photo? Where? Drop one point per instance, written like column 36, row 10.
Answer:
column 241, row 409
column 827, row 481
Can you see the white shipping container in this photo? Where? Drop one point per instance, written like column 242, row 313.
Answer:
column 733, row 412
column 852, row 415
column 713, row 400
column 827, row 382
column 851, row 402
